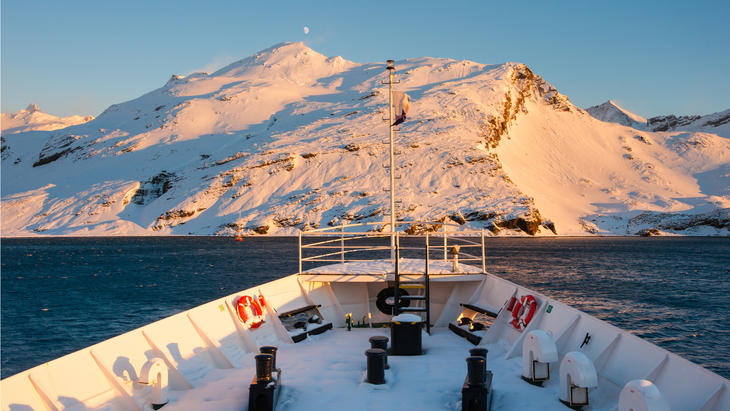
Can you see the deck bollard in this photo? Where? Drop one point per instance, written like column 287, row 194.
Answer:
column 375, row 365
column 476, row 393
column 263, row 393
column 479, row 352
column 380, row 341
column 263, row 367
column 270, row 349
column 476, row 370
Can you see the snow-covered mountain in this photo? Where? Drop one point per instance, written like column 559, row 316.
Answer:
column 716, row 123
column 611, row 112
column 289, row 139
column 32, row 118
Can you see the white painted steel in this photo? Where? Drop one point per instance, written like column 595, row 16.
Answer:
column 641, row 395
column 576, row 370
column 537, row 346
column 154, row 374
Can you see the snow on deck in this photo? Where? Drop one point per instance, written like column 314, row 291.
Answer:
column 328, row 371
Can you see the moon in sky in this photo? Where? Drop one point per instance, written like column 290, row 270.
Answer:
column 306, row 29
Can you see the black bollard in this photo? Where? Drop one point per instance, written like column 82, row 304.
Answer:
column 380, row 341
column 476, row 393
column 375, row 365
column 476, row 370
column 263, row 393
column 263, row 367
column 270, row 349
column 479, row 352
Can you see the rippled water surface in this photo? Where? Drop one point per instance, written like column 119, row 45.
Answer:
column 63, row 294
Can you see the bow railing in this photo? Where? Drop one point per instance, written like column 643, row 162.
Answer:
column 363, row 242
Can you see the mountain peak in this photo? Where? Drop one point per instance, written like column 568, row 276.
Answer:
column 283, row 56
column 32, row 118
column 612, row 112
column 293, row 62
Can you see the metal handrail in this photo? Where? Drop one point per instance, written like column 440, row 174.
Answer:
column 323, row 249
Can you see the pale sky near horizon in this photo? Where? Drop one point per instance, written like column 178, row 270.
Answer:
column 652, row 57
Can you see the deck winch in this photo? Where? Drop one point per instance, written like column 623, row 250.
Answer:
column 538, row 351
column 263, row 393
column 476, row 393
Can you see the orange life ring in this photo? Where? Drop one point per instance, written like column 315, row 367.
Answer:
column 246, row 304
column 523, row 311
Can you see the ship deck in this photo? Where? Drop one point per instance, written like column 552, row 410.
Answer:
column 327, row 371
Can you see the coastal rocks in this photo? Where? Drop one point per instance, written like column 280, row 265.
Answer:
column 650, row 223
column 588, row 226
column 422, row 228
column 527, row 221
column 649, row 232
column 262, row 229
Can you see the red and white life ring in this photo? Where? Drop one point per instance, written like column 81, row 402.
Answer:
column 523, row 311
column 250, row 310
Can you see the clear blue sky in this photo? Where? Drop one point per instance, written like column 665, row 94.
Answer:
column 653, row 57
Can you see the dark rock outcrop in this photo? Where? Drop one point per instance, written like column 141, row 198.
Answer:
column 719, row 218
column 56, row 147
column 670, row 122
column 154, row 187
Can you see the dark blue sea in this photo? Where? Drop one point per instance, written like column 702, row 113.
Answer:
column 62, row 294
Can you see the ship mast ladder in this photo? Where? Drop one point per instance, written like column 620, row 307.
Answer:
column 423, row 283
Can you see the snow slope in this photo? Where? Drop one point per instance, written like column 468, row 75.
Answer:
column 289, row 139
column 32, row 118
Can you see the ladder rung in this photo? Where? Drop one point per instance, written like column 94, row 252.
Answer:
column 411, row 297
column 412, row 309
column 412, row 286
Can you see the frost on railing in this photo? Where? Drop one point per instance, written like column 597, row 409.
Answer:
column 365, row 242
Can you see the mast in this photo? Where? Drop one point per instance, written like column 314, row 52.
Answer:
column 390, row 68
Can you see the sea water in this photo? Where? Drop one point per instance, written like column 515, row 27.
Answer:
column 63, row 294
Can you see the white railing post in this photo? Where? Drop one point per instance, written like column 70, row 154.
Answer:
column 484, row 255
column 300, row 252
column 342, row 244
column 446, row 246
column 427, row 251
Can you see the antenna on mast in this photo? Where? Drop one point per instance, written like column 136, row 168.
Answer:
column 391, row 68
